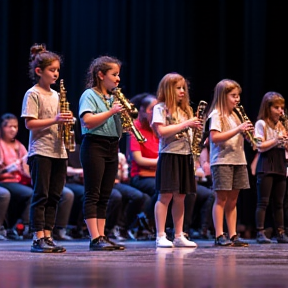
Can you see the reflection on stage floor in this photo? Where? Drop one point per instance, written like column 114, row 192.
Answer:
column 142, row 265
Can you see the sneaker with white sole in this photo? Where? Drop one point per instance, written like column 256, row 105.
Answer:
column 163, row 242
column 182, row 241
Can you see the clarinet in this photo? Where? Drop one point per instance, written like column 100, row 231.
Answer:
column 240, row 112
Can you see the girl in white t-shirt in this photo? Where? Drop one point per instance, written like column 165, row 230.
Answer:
column 172, row 119
column 271, row 165
column 227, row 159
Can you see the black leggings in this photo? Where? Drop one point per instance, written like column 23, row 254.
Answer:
column 273, row 185
column 99, row 159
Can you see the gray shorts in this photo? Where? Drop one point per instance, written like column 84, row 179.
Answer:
column 230, row 177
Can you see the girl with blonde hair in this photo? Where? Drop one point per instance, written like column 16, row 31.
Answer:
column 227, row 159
column 172, row 120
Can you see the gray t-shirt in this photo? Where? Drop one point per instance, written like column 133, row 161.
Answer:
column 43, row 142
column 230, row 152
column 170, row 144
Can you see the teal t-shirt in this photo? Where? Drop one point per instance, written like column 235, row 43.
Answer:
column 91, row 102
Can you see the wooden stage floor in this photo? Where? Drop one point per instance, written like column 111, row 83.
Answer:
column 141, row 265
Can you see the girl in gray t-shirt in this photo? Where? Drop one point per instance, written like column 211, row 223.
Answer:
column 47, row 156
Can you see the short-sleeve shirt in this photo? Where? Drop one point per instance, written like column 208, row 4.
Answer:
column 45, row 142
column 91, row 102
column 264, row 131
column 271, row 161
column 170, row 144
column 149, row 149
column 231, row 151
column 8, row 156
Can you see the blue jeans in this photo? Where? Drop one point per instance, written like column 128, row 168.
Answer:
column 134, row 201
column 147, row 186
column 64, row 208
column 114, row 210
column 48, row 179
column 76, row 215
column 19, row 203
column 4, row 203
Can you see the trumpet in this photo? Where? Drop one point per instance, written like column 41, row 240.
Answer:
column 240, row 112
column 128, row 114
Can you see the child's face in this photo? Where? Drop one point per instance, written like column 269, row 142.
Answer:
column 276, row 110
column 233, row 98
column 180, row 90
column 111, row 79
column 10, row 129
column 51, row 73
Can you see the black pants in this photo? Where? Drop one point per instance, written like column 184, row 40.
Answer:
column 270, row 186
column 48, row 178
column 99, row 159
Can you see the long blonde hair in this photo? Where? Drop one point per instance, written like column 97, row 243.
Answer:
column 166, row 94
column 219, row 101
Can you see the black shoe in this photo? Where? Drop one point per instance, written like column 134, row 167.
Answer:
column 13, row 234
column 56, row 249
column 40, row 246
column 282, row 238
column 117, row 246
column 117, row 233
column 26, row 233
column 3, row 233
column 238, row 242
column 262, row 239
column 101, row 244
column 222, row 241
column 145, row 235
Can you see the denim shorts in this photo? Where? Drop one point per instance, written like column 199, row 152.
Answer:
column 230, row 177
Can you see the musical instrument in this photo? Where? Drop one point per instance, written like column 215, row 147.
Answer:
column 284, row 120
column 240, row 112
column 196, row 146
column 128, row 113
column 13, row 166
column 15, row 169
column 65, row 130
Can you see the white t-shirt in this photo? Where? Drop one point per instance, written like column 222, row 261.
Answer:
column 170, row 144
column 231, row 151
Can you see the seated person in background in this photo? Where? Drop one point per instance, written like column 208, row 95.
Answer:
column 4, row 203
column 144, row 156
column 125, row 203
column 63, row 214
column 14, row 176
column 77, row 226
column 200, row 217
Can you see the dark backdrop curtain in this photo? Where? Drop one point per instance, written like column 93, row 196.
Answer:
column 205, row 41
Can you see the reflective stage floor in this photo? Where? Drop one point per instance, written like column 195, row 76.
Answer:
column 141, row 265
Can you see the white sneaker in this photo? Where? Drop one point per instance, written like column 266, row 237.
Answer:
column 182, row 241
column 163, row 242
